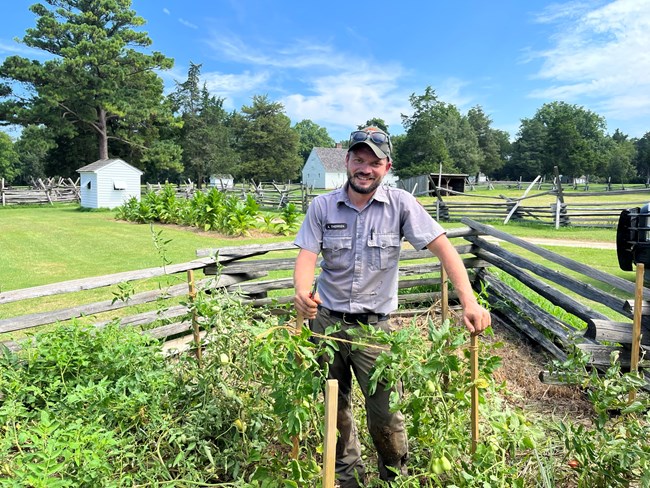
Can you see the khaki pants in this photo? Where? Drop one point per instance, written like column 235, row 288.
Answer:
column 386, row 428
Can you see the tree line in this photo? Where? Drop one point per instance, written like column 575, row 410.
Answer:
column 99, row 96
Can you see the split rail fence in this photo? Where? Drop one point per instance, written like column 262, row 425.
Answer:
column 577, row 212
column 261, row 274
column 47, row 191
column 269, row 195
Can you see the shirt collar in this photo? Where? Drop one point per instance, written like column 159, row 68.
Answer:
column 381, row 195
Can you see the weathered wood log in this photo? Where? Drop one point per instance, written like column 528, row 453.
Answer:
column 621, row 332
column 43, row 318
column 600, row 355
column 510, row 322
column 170, row 330
column 577, row 286
column 629, row 306
column 544, row 289
column 255, row 265
column 33, row 320
column 565, row 333
column 146, row 318
column 100, row 281
column 588, row 271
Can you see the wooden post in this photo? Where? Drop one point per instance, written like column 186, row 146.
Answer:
column 439, row 202
column 560, row 197
column 473, row 349
column 295, row 448
column 195, row 322
column 329, row 447
column 636, row 324
column 2, row 190
column 444, row 294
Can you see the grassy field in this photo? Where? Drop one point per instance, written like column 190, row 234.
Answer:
column 48, row 244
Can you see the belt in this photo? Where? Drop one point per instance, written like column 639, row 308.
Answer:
column 354, row 318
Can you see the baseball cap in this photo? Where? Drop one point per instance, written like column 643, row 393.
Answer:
column 375, row 138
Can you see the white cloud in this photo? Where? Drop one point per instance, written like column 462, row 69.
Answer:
column 347, row 99
column 14, row 48
column 313, row 81
column 166, row 11
column 235, row 85
column 600, row 54
column 299, row 55
column 187, row 23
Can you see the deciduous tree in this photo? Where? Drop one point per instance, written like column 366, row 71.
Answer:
column 493, row 144
column 8, row 158
column 437, row 135
column 311, row 135
column 33, row 148
column 642, row 159
column 375, row 122
column 620, row 158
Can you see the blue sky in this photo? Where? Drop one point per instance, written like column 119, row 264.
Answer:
column 340, row 63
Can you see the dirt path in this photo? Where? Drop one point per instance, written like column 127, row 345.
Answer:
column 541, row 241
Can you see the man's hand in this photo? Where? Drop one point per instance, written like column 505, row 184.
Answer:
column 306, row 304
column 476, row 318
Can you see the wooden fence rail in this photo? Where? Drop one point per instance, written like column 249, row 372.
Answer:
column 268, row 195
column 559, row 214
column 261, row 275
column 47, row 192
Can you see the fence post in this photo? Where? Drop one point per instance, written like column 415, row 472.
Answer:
column 2, row 190
column 560, row 198
column 444, row 294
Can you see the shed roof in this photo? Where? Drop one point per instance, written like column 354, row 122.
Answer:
column 333, row 158
column 450, row 175
column 103, row 163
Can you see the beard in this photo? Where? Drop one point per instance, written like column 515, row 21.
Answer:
column 362, row 189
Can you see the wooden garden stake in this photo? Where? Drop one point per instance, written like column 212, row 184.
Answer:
column 473, row 350
column 329, row 447
column 444, row 294
column 636, row 324
column 300, row 321
column 195, row 322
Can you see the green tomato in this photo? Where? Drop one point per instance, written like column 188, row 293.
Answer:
column 436, row 466
column 445, row 463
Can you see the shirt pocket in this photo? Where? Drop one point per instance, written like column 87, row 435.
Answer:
column 384, row 250
column 337, row 251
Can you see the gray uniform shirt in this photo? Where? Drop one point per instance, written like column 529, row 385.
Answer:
column 360, row 249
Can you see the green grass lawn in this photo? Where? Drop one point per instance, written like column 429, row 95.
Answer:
column 48, row 244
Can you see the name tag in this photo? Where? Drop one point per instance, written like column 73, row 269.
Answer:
column 336, row 226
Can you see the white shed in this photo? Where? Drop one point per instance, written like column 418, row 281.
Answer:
column 222, row 182
column 108, row 183
column 325, row 168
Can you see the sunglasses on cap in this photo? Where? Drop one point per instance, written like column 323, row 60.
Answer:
column 378, row 138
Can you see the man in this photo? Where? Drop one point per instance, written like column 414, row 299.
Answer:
column 358, row 230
